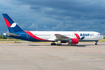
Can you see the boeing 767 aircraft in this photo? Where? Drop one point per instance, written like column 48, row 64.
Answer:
column 70, row 37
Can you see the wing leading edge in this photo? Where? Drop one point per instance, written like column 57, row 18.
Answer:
column 61, row 37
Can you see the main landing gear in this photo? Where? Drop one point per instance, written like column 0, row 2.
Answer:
column 58, row 43
column 53, row 43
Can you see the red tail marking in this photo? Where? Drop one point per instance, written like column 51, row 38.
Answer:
column 7, row 22
column 78, row 37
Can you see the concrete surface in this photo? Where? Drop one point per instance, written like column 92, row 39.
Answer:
column 42, row 56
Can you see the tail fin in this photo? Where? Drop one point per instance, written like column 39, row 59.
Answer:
column 12, row 26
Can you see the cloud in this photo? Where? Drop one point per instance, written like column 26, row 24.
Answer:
column 57, row 15
column 73, row 8
column 35, row 26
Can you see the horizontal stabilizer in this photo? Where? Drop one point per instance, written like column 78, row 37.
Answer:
column 11, row 34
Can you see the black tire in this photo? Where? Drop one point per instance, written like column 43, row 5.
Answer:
column 58, row 44
column 53, row 43
column 96, row 43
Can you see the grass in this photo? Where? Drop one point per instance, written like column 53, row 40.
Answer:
column 11, row 40
column 103, row 40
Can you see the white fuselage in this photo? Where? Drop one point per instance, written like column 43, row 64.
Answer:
column 50, row 35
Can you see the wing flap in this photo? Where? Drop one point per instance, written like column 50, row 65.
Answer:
column 61, row 37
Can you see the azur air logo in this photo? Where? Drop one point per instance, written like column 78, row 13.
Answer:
column 84, row 34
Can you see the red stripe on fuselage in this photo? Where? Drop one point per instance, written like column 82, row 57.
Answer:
column 7, row 22
column 35, row 37
column 78, row 37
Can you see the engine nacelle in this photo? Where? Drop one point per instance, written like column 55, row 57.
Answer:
column 74, row 41
column 71, row 41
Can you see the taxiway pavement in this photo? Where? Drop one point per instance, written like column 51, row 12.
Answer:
column 43, row 56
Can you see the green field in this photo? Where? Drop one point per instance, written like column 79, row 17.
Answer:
column 103, row 40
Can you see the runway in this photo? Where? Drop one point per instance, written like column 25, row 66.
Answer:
column 43, row 56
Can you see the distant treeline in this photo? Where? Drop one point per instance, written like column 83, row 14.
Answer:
column 4, row 37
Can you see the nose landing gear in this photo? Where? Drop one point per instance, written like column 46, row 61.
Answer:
column 96, row 42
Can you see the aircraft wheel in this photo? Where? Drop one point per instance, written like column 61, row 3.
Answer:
column 59, row 44
column 53, row 43
column 96, row 43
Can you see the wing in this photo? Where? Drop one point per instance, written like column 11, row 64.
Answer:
column 61, row 37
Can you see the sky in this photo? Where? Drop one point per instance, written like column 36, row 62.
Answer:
column 55, row 15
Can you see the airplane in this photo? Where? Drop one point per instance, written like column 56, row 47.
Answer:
column 70, row 37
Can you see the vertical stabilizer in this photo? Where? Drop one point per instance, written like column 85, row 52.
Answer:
column 11, row 25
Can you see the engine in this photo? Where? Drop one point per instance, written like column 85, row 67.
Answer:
column 71, row 41
column 75, row 41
